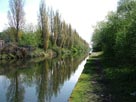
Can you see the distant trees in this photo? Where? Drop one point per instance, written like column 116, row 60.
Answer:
column 117, row 35
column 57, row 33
column 51, row 32
column 16, row 16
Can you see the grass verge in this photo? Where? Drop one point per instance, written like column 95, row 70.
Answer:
column 86, row 90
column 105, row 81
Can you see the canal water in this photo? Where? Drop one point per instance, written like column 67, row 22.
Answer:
column 38, row 80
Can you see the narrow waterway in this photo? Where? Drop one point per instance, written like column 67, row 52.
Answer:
column 49, row 80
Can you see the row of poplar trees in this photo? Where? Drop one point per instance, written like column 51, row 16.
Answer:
column 52, row 31
column 116, row 35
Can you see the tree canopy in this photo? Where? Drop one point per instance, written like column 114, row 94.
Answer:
column 116, row 36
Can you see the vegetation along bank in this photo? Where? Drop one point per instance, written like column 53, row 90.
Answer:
column 51, row 35
column 110, row 77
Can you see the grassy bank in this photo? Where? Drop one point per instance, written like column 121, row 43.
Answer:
column 103, row 81
column 85, row 90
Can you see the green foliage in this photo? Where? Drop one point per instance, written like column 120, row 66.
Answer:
column 116, row 36
column 101, row 81
column 50, row 33
column 8, row 34
column 30, row 38
column 119, row 79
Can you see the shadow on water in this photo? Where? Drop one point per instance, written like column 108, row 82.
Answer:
column 36, row 80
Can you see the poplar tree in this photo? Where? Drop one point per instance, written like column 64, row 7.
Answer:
column 43, row 24
column 16, row 16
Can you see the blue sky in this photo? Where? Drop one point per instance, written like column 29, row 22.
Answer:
column 81, row 14
column 3, row 6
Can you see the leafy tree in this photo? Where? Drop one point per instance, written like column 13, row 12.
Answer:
column 117, row 35
column 57, row 26
column 43, row 24
column 30, row 38
column 16, row 16
column 131, row 43
column 52, row 32
column 51, row 19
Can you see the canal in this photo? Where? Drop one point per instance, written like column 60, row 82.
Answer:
column 38, row 80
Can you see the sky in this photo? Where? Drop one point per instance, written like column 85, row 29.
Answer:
column 81, row 14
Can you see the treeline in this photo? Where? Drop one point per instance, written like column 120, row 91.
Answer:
column 116, row 35
column 50, row 32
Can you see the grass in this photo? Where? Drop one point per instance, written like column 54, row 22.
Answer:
column 101, row 81
column 87, row 86
column 81, row 88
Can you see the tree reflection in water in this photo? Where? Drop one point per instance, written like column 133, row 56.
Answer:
column 48, row 76
column 15, row 91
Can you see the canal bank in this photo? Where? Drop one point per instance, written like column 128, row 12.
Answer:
column 86, row 87
column 105, row 81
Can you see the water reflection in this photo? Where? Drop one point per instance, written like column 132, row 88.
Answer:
column 36, row 80
column 15, row 91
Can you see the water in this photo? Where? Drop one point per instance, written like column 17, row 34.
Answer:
column 49, row 80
